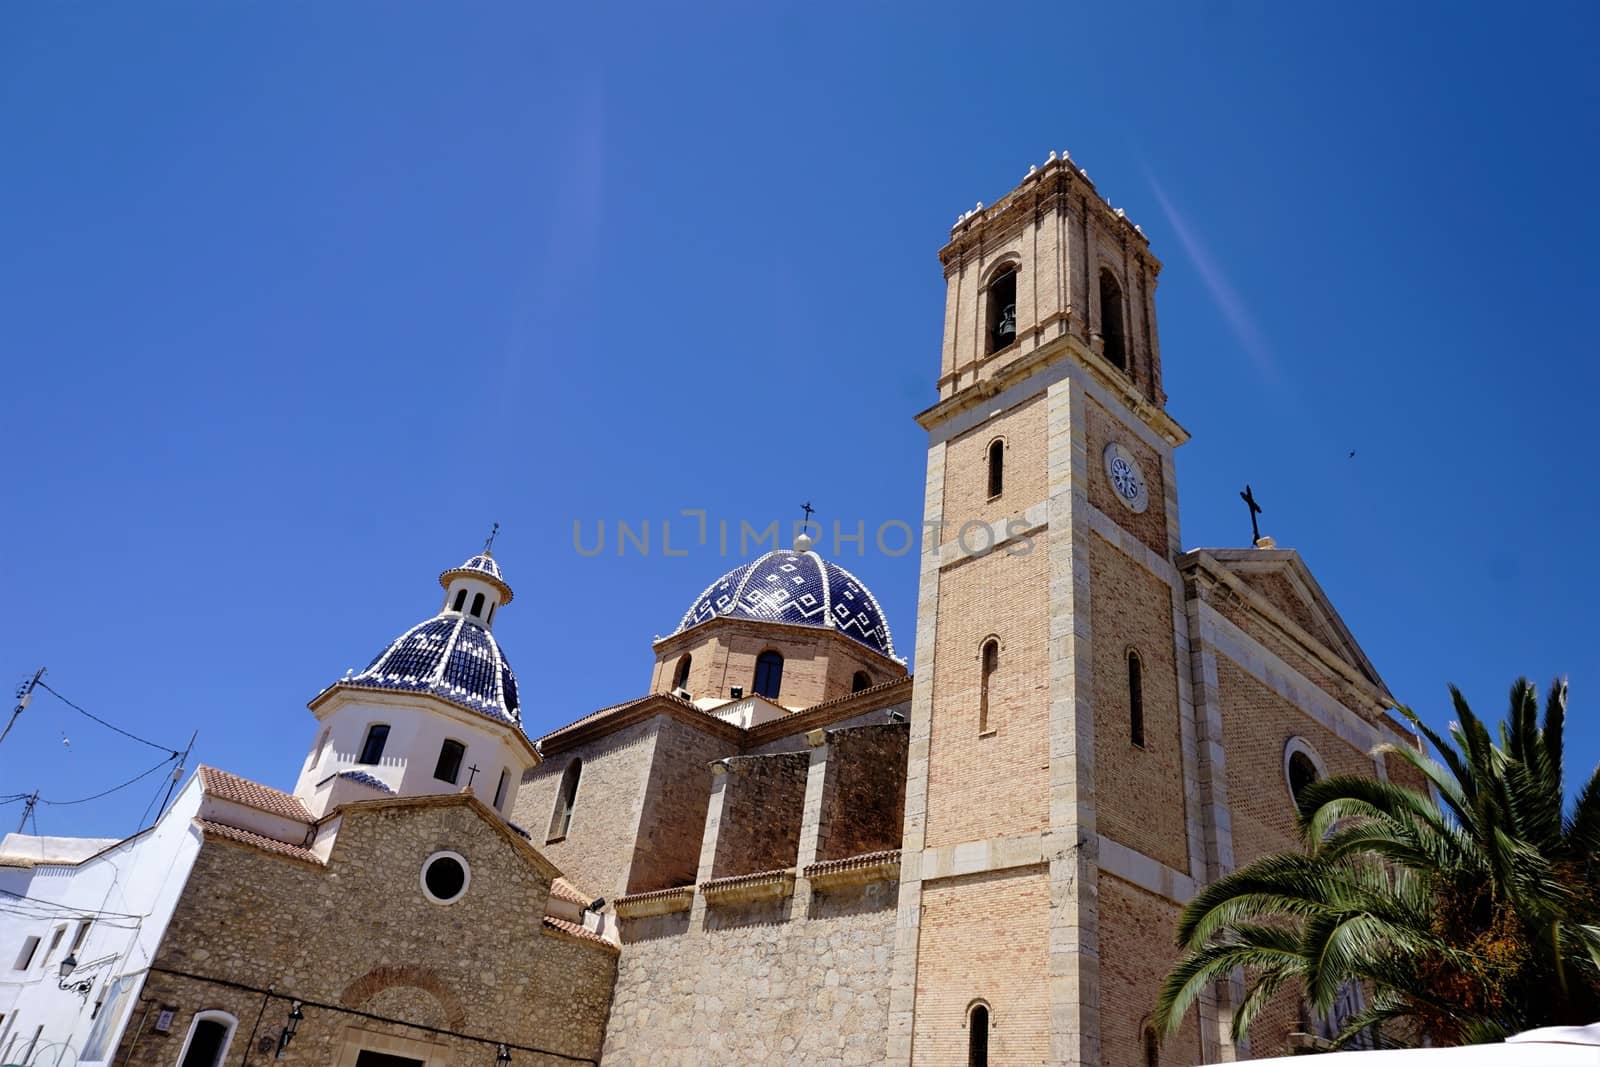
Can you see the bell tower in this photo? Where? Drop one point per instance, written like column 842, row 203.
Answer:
column 1052, row 813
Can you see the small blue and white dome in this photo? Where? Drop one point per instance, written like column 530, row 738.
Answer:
column 453, row 655
column 799, row 588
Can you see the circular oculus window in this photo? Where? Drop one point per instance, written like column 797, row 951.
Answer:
column 445, row 876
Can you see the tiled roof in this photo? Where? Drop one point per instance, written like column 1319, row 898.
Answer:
column 562, row 889
column 579, row 932
column 266, row 844
column 366, row 779
column 253, row 794
column 800, row 588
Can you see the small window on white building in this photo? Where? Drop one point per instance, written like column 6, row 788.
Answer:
column 207, row 1043
column 30, row 946
column 372, row 747
column 500, row 791
column 448, row 769
column 82, row 934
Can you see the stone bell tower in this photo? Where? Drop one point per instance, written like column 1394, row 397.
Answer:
column 1051, row 812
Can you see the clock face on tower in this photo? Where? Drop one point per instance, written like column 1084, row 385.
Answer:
column 1127, row 480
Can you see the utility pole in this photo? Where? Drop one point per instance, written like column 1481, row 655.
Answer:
column 177, row 774
column 27, row 810
column 24, row 694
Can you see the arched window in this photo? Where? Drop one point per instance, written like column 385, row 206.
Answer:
column 477, row 606
column 990, row 660
column 861, row 680
column 1111, row 319
column 566, row 797
column 769, row 674
column 1002, row 310
column 372, row 747
column 208, row 1039
column 1152, row 1048
column 1302, row 772
column 1135, row 698
column 500, row 791
column 997, row 467
column 680, row 676
column 490, row 616
column 461, row 600
column 448, row 769
column 978, row 1035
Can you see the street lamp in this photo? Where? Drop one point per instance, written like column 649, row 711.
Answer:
column 503, row 1056
column 82, row 985
column 289, row 1028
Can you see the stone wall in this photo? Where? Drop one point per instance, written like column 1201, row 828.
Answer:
column 1136, row 952
column 966, row 485
column 1149, row 526
column 863, row 801
column 673, row 815
column 361, row 946
column 818, row 664
column 761, row 811
column 754, row 987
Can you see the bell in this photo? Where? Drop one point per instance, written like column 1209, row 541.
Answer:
column 1005, row 330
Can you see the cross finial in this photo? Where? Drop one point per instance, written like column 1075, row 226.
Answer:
column 1255, row 509
column 488, row 545
column 808, row 509
column 472, row 772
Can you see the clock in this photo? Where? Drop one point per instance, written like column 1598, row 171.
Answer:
column 1127, row 480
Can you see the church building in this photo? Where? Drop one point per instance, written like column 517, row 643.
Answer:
column 787, row 849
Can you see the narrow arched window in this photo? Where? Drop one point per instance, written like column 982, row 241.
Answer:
column 461, row 600
column 477, row 606
column 1302, row 772
column 490, row 617
column 1135, row 698
column 997, row 467
column 372, row 747
column 1002, row 310
column 208, row 1039
column 861, row 680
column 500, row 791
column 448, row 769
column 566, row 798
column 1111, row 331
column 1152, row 1048
column 680, row 676
column 978, row 1035
column 769, row 674
column 990, row 663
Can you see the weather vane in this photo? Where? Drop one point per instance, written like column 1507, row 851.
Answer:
column 488, row 545
column 808, row 509
column 1255, row 509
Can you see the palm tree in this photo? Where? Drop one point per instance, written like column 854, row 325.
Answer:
column 1466, row 915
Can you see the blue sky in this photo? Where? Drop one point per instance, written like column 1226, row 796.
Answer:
column 300, row 298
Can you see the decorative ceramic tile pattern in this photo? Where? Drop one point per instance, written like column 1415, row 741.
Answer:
column 800, row 588
column 451, row 656
column 365, row 779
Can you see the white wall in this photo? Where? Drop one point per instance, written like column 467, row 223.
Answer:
column 129, row 891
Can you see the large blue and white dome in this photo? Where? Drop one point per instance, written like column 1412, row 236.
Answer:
column 453, row 655
column 800, row 588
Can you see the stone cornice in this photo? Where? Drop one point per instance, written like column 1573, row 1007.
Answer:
column 1066, row 348
column 609, row 720
column 684, row 640
column 876, row 698
column 327, row 699
column 656, row 902
column 741, row 888
column 854, row 870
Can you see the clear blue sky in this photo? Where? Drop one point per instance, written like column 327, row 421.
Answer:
column 298, row 299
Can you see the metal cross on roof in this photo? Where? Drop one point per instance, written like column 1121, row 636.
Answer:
column 1255, row 509
column 488, row 545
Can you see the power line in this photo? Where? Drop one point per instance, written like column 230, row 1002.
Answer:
column 143, row 741
column 113, row 789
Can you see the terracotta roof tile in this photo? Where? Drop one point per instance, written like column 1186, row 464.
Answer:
column 562, row 889
column 266, row 844
column 579, row 932
column 253, row 794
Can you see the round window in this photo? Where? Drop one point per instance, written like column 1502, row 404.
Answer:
column 445, row 876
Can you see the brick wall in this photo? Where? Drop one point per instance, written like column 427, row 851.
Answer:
column 863, row 799
column 1150, row 526
column 818, row 665
column 757, row 987
column 762, row 803
column 1136, row 951
column 359, row 936
column 996, row 784
column 1140, row 797
column 966, row 483
column 984, row 936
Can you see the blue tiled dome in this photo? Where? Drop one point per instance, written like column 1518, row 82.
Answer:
column 800, row 588
column 452, row 657
column 481, row 566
